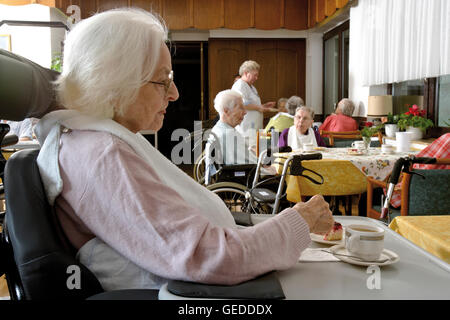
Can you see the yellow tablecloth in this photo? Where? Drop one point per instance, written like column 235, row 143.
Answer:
column 431, row 233
column 343, row 174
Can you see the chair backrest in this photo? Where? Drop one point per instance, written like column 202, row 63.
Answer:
column 43, row 262
column 429, row 196
column 342, row 139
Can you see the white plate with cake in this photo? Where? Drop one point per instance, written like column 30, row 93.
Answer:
column 333, row 237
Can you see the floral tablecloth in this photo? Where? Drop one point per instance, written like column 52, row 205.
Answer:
column 373, row 163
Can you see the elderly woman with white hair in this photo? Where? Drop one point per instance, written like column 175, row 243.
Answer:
column 234, row 148
column 282, row 119
column 342, row 119
column 302, row 131
column 135, row 218
column 253, row 120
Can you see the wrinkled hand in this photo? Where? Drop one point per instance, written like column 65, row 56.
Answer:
column 317, row 214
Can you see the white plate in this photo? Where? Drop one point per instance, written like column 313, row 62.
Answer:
column 385, row 254
column 319, row 239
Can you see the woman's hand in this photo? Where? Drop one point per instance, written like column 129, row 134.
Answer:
column 317, row 214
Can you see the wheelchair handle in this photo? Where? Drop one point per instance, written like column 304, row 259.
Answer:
column 402, row 164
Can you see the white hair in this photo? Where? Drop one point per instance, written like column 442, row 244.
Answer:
column 248, row 66
column 293, row 104
column 306, row 109
column 346, row 106
column 107, row 59
column 226, row 99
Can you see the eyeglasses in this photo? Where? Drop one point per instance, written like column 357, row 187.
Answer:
column 165, row 83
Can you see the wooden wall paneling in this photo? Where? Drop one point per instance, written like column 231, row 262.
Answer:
column 239, row 14
column 224, row 59
column 312, row 13
column 268, row 13
column 88, row 8
column 208, row 14
column 63, row 5
column 149, row 5
column 330, row 7
column 48, row 3
column 296, row 14
column 265, row 53
column 291, row 68
column 320, row 10
column 103, row 5
column 341, row 3
column 178, row 14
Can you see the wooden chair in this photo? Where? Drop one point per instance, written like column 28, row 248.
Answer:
column 348, row 136
column 419, row 196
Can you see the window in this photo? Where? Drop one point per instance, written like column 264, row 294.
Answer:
column 335, row 66
column 406, row 94
column 443, row 101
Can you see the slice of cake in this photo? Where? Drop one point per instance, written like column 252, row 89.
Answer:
column 335, row 233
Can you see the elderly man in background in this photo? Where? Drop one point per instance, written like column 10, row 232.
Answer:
column 285, row 118
column 342, row 119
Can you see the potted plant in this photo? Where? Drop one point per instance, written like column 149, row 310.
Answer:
column 368, row 131
column 414, row 121
column 390, row 126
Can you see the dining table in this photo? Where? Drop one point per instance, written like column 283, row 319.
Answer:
column 411, row 272
column 344, row 171
column 431, row 233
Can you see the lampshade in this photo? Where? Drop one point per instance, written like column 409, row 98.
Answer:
column 379, row 106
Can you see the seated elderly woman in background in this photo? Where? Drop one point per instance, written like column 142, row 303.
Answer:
column 233, row 146
column 301, row 132
column 342, row 119
column 135, row 218
column 285, row 119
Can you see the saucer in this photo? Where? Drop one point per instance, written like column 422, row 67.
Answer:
column 319, row 239
column 385, row 254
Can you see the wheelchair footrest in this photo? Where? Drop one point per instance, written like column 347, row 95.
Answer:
column 263, row 195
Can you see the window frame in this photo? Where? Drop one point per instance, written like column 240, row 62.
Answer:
column 339, row 30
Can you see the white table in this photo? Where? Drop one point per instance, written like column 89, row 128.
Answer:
column 418, row 274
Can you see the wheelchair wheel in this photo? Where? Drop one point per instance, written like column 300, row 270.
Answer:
column 199, row 169
column 234, row 196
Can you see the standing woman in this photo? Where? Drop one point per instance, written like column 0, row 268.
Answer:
column 253, row 120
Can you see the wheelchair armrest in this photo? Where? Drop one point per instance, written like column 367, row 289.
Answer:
column 238, row 167
column 127, row 294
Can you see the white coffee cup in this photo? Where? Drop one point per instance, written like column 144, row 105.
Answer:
column 308, row 147
column 364, row 241
column 359, row 145
column 387, row 148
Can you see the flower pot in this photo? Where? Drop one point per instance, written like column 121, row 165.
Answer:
column 390, row 130
column 417, row 134
column 403, row 141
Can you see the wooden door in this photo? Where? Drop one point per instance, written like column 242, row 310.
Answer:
column 282, row 61
column 225, row 58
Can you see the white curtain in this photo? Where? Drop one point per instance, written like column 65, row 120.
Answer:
column 399, row 40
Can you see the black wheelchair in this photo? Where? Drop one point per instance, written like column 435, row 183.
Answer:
column 244, row 189
column 36, row 257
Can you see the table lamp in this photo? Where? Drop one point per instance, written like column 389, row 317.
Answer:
column 379, row 106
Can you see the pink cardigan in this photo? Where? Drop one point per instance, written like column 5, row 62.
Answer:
column 111, row 193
